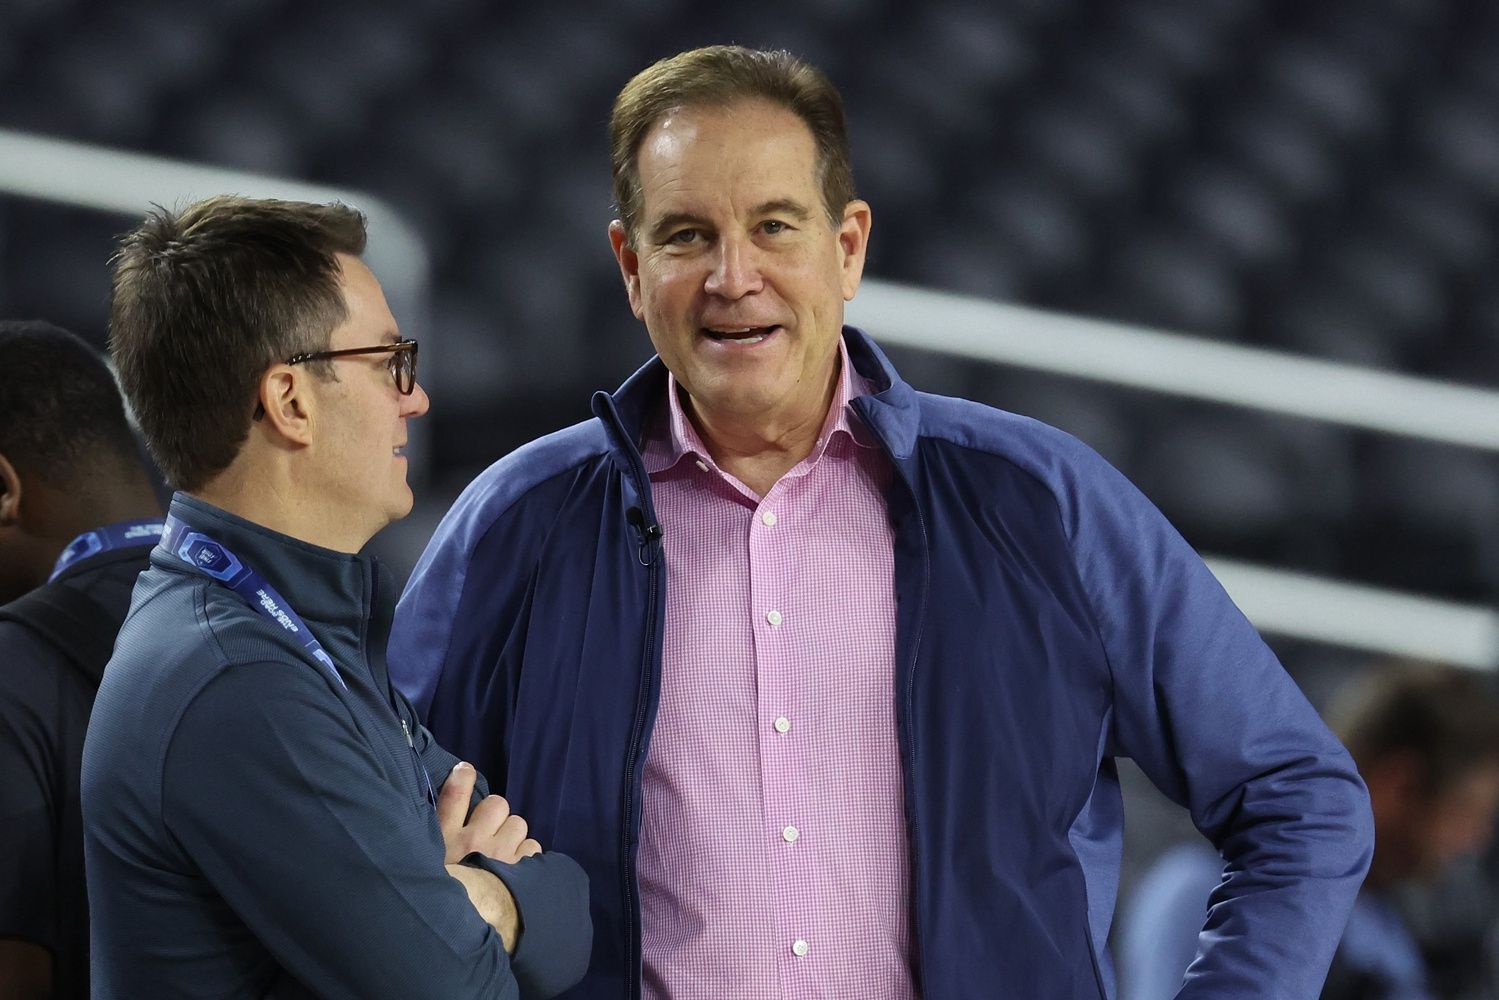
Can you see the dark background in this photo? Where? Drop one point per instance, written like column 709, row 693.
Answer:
column 1320, row 178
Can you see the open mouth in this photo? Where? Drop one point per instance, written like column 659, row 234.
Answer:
column 739, row 335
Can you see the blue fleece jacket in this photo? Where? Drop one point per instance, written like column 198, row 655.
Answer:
column 1049, row 621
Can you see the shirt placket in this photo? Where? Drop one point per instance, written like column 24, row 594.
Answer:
column 784, row 732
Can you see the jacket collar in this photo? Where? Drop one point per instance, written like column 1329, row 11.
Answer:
column 891, row 408
column 321, row 584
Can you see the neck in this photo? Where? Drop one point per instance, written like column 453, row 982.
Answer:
column 271, row 499
column 123, row 502
column 78, row 507
column 66, row 511
column 758, row 450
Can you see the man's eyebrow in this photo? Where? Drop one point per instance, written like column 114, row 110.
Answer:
column 675, row 220
column 784, row 206
column 778, row 206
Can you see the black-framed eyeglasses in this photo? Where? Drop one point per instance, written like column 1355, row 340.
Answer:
column 402, row 363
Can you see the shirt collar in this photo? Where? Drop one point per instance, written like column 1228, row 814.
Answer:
column 675, row 438
column 323, row 585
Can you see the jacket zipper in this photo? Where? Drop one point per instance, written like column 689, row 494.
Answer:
column 632, row 820
column 649, row 666
column 909, row 739
column 906, row 705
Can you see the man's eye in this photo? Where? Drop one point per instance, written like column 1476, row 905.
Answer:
column 773, row 226
column 682, row 237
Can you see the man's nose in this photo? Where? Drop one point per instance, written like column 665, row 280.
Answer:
column 736, row 270
column 417, row 403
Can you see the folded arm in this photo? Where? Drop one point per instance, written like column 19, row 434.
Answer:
column 279, row 800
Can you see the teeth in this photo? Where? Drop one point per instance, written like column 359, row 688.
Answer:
column 737, row 333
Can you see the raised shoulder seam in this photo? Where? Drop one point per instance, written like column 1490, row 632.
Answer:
column 510, row 479
column 201, row 590
column 204, row 628
column 482, row 515
column 1082, row 450
column 1061, row 444
column 226, row 664
column 493, row 515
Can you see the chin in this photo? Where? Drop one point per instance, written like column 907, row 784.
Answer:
column 749, row 399
column 402, row 507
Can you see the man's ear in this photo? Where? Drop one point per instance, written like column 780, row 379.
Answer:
column 10, row 494
column 287, row 398
column 853, row 244
column 629, row 265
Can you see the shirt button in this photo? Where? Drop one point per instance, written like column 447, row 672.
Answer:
column 799, row 948
column 702, row 465
column 769, row 517
column 774, row 617
column 790, row 834
column 783, row 725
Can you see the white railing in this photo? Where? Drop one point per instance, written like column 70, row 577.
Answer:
column 127, row 184
column 1279, row 601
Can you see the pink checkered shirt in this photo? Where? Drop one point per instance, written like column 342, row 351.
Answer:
column 773, row 837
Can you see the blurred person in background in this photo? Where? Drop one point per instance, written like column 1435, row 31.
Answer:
column 78, row 518
column 823, row 678
column 263, row 815
column 1426, row 740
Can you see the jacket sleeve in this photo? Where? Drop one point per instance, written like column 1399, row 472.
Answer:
column 277, row 799
column 1206, row 710
column 551, row 895
column 556, row 933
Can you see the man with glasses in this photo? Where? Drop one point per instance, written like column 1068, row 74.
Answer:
column 264, row 814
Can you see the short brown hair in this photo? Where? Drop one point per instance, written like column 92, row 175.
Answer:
column 205, row 300
column 1444, row 717
column 718, row 76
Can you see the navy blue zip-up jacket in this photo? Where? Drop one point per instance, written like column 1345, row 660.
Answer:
column 255, row 828
column 1049, row 620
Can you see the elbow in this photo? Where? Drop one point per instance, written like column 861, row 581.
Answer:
column 1338, row 817
column 1362, row 832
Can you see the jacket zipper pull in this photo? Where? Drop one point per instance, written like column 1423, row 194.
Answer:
column 421, row 769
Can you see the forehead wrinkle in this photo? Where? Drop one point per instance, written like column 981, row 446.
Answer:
column 689, row 167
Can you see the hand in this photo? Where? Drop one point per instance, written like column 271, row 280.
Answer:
column 491, row 829
column 493, row 901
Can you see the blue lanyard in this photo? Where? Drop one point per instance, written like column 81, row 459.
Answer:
column 214, row 560
column 112, row 536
